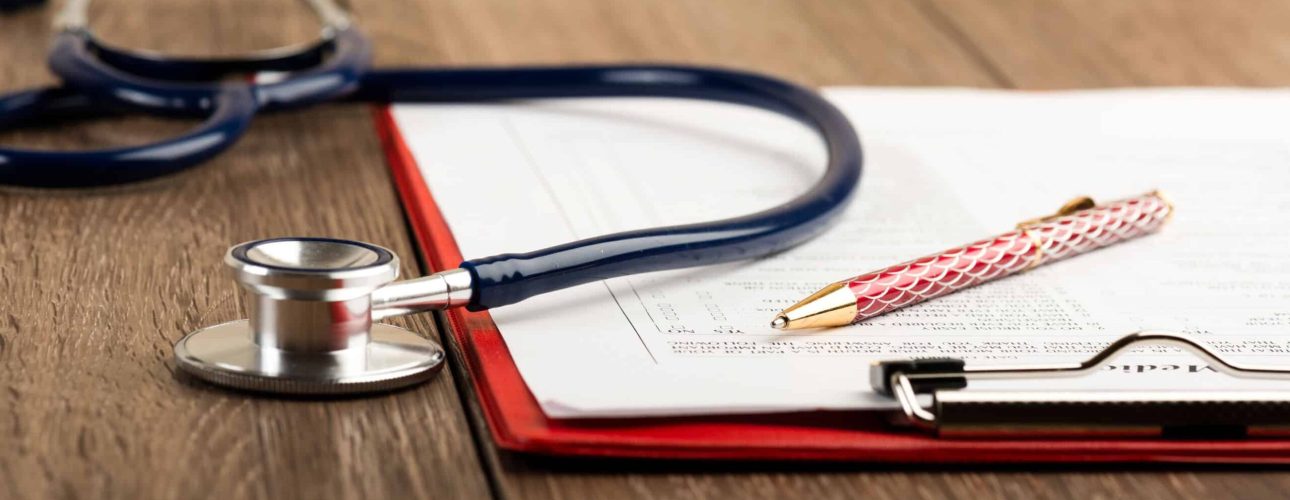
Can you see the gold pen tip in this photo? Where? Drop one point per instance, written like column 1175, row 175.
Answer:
column 779, row 323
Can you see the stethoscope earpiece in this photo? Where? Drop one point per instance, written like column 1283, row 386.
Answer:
column 310, row 329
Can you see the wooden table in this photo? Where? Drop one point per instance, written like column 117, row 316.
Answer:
column 96, row 285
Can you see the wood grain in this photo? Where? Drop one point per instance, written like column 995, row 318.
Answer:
column 1107, row 43
column 96, row 285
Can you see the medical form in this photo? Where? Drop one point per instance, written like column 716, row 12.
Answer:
column 697, row 341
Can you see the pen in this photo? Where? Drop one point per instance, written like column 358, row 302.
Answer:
column 1080, row 226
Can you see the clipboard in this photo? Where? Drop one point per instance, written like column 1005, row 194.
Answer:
column 518, row 424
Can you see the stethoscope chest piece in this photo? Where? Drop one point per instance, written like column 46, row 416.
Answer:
column 310, row 329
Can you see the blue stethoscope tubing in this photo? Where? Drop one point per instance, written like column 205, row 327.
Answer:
column 230, row 113
column 190, row 87
column 509, row 278
column 99, row 78
column 506, row 278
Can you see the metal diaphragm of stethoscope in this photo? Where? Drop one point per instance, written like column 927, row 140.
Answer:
column 314, row 302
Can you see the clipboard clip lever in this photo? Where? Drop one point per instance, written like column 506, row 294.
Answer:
column 1172, row 414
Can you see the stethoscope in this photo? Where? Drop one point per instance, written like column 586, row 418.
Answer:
column 313, row 301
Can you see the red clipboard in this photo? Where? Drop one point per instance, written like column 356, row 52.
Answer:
column 518, row 424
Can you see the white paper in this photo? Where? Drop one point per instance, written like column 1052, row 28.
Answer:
column 942, row 168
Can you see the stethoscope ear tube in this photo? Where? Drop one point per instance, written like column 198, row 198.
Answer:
column 80, row 61
column 315, row 73
column 232, row 108
column 161, row 67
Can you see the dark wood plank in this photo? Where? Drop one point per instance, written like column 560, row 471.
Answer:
column 97, row 285
column 1106, row 43
column 820, row 42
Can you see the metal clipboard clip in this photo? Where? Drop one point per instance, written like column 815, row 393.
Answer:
column 998, row 414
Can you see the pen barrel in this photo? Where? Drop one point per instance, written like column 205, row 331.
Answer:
column 1030, row 245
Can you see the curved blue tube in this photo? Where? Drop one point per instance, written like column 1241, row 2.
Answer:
column 187, row 88
column 163, row 67
column 509, row 278
column 233, row 107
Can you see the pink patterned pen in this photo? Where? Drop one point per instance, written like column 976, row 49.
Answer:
column 1080, row 226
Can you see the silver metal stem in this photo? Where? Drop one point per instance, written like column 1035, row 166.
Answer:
column 442, row 290
column 329, row 13
column 75, row 15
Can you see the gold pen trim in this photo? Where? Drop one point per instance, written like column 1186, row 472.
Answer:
column 833, row 305
column 1038, row 244
column 1077, row 204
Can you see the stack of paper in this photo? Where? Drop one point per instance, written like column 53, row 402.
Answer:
column 943, row 167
